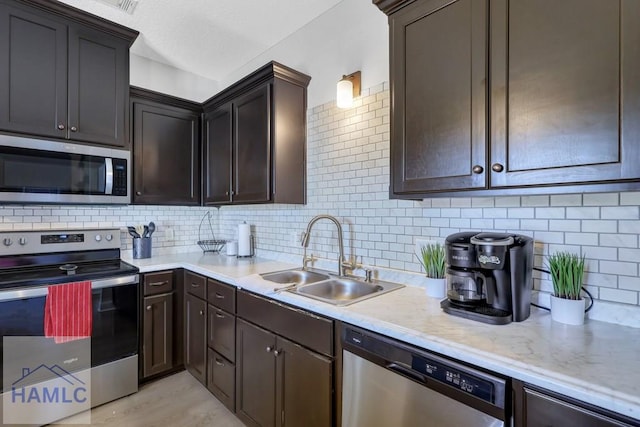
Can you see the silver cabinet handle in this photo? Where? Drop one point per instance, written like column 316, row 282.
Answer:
column 219, row 296
column 138, row 193
column 201, row 313
column 166, row 282
column 148, row 308
column 219, row 362
column 195, row 285
column 269, row 349
column 61, row 126
column 219, row 315
column 276, row 353
column 74, row 129
column 497, row 167
column 477, row 169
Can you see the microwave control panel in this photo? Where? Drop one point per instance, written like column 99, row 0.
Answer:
column 119, row 177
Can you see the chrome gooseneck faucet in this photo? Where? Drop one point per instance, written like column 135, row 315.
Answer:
column 342, row 262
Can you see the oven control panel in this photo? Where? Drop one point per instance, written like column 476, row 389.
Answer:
column 62, row 238
column 50, row 241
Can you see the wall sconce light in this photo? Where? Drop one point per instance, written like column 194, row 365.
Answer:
column 348, row 88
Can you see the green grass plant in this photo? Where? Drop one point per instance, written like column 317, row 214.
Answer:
column 433, row 260
column 567, row 273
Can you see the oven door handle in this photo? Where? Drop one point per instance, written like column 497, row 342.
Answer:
column 41, row 291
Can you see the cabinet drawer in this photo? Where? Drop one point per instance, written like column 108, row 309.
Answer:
column 222, row 332
column 221, row 379
column 160, row 282
column 300, row 326
column 221, row 295
column 195, row 284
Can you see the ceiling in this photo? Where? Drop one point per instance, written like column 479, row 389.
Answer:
column 210, row 38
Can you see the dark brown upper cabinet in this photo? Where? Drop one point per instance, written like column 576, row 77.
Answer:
column 513, row 96
column 65, row 73
column 255, row 139
column 166, row 149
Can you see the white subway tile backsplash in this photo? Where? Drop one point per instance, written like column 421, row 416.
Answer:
column 348, row 177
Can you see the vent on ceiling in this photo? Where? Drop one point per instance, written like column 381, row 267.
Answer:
column 125, row 5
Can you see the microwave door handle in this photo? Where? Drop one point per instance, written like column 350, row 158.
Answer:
column 108, row 181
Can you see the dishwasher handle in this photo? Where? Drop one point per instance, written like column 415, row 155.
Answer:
column 401, row 368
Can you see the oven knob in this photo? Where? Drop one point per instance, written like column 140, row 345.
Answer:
column 109, row 237
column 7, row 241
column 98, row 237
column 22, row 241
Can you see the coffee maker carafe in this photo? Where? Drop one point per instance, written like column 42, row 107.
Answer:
column 489, row 276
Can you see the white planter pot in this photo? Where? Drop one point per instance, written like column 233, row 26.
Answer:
column 569, row 311
column 436, row 288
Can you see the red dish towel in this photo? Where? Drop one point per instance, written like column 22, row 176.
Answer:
column 67, row 312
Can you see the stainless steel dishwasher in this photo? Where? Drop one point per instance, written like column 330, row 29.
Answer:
column 387, row 383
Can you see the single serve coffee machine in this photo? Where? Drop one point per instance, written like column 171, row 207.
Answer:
column 489, row 277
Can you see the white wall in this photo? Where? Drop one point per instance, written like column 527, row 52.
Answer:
column 351, row 36
column 163, row 78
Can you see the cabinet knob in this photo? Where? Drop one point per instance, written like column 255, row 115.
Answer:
column 477, row 169
column 497, row 167
column 219, row 362
column 233, row 193
column 74, row 129
column 148, row 308
column 269, row 349
column 219, row 315
column 276, row 353
column 226, row 193
column 138, row 193
column 201, row 312
column 61, row 126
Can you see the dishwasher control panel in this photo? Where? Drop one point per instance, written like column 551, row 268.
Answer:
column 454, row 377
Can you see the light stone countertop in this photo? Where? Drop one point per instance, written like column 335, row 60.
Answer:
column 598, row 363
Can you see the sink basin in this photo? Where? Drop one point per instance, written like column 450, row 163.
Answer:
column 343, row 291
column 299, row 277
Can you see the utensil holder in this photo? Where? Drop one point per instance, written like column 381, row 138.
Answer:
column 141, row 247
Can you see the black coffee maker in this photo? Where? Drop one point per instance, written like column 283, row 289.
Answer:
column 489, row 276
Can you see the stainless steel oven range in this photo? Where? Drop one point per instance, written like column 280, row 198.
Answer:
column 32, row 261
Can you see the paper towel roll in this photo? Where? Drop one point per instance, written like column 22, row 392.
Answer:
column 244, row 239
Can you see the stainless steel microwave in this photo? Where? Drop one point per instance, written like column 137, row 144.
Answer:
column 41, row 171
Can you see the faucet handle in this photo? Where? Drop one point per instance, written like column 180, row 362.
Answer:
column 367, row 275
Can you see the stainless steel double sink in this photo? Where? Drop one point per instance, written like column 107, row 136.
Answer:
column 326, row 287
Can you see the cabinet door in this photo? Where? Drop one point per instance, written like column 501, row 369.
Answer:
column 221, row 379
column 222, row 332
column 304, row 386
column 217, row 156
column 541, row 410
column 438, row 70
column 157, row 346
column 98, row 87
column 252, row 147
column 165, row 155
column 565, row 99
column 33, row 73
column 196, row 337
column 255, row 375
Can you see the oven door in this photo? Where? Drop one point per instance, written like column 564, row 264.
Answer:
column 115, row 319
column 38, row 171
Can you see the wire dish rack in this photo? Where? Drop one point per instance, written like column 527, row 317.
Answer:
column 212, row 244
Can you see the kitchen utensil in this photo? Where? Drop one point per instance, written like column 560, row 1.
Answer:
column 146, row 231
column 152, row 228
column 140, row 230
column 132, row 232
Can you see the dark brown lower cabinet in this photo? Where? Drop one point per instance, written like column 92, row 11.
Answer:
column 196, row 337
column 534, row 407
column 221, row 378
column 158, row 334
column 280, row 383
column 161, row 308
